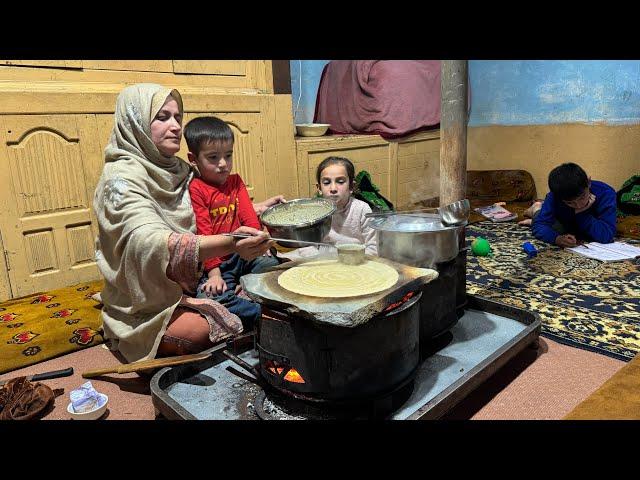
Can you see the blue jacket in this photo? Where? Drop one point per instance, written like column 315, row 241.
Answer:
column 596, row 224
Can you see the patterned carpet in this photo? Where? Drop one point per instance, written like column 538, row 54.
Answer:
column 582, row 302
column 46, row 325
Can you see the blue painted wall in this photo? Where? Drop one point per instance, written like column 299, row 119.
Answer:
column 554, row 91
column 305, row 74
column 523, row 92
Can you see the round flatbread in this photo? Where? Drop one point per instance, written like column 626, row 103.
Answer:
column 332, row 279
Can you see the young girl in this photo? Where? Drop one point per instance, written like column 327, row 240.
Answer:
column 336, row 181
column 335, row 177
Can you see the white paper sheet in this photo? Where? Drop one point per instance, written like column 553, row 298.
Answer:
column 607, row 252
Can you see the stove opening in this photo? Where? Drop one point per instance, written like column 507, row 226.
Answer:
column 404, row 299
column 289, row 374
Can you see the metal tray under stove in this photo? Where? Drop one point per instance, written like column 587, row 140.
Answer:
column 485, row 338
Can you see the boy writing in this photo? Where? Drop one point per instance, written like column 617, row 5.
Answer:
column 576, row 209
column 221, row 204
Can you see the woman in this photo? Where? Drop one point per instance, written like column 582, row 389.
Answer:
column 147, row 249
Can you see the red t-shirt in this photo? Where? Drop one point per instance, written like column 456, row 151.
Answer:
column 221, row 210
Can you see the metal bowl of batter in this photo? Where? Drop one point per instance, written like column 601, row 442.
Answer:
column 305, row 219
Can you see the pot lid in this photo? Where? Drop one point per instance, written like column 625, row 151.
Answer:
column 410, row 223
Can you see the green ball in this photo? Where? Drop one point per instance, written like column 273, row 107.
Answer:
column 480, row 247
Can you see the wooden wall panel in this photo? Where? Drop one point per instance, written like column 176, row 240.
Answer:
column 130, row 65
column 43, row 63
column 248, row 76
column 219, row 67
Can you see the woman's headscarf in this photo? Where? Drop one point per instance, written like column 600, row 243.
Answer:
column 141, row 198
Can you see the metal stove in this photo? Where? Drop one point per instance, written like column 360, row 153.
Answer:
column 231, row 384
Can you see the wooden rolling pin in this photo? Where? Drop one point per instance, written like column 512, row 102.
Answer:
column 148, row 364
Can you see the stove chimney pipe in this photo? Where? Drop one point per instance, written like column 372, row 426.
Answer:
column 453, row 130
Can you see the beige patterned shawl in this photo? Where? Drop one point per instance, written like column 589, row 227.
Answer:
column 140, row 199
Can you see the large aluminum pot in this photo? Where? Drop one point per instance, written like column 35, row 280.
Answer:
column 416, row 240
column 312, row 231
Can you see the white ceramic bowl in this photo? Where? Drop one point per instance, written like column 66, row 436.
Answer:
column 92, row 414
column 312, row 129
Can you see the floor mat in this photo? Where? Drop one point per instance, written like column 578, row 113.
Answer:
column 617, row 399
column 582, row 302
column 46, row 325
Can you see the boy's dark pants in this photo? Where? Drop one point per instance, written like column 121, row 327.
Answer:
column 231, row 271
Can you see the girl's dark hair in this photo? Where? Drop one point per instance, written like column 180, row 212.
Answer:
column 345, row 162
column 202, row 130
column 568, row 181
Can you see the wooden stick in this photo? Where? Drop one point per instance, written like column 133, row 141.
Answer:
column 148, row 364
column 290, row 240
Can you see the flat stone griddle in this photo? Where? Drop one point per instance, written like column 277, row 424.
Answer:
column 263, row 288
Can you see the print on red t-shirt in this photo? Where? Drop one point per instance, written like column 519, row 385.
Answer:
column 221, row 209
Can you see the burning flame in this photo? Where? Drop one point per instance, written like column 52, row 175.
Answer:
column 293, row 376
column 272, row 368
column 397, row 304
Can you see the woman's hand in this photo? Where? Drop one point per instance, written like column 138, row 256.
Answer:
column 262, row 206
column 250, row 248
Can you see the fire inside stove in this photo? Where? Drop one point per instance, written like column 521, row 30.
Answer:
column 291, row 375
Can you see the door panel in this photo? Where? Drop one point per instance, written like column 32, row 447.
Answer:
column 47, row 219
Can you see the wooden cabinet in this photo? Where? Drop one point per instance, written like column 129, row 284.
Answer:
column 55, row 121
column 407, row 171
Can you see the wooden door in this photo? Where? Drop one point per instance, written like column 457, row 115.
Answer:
column 47, row 227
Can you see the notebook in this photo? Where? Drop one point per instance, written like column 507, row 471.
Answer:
column 496, row 213
column 607, row 252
